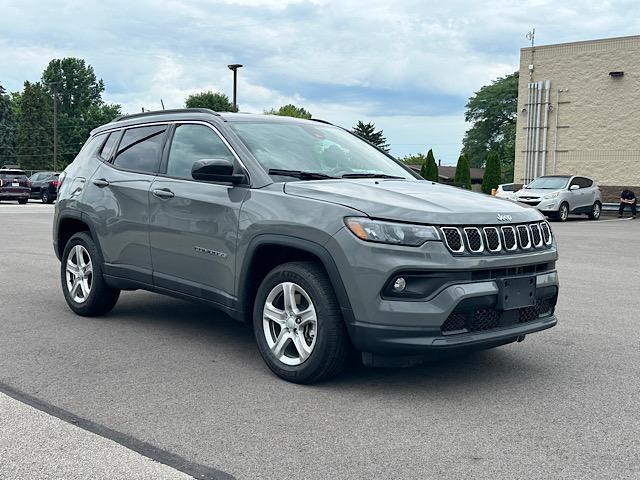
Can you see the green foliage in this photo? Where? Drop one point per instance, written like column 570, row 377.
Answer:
column 216, row 101
column 368, row 132
column 429, row 170
column 7, row 129
column 80, row 106
column 493, row 111
column 289, row 110
column 34, row 127
column 415, row 159
column 492, row 174
column 463, row 172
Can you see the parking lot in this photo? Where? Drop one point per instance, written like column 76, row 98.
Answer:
column 186, row 385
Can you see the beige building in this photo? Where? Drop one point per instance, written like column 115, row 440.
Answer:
column 579, row 113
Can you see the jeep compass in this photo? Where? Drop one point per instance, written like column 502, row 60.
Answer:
column 321, row 241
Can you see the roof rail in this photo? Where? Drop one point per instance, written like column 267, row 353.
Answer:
column 321, row 121
column 161, row 112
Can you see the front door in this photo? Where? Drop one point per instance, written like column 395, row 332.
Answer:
column 194, row 224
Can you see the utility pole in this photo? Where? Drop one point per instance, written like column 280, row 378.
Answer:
column 234, row 67
column 54, row 90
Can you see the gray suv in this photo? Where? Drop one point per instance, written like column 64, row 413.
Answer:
column 324, row 243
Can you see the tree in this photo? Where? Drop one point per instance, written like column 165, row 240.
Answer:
column 34, row 127
column 493, row 110
column 417, row 159
column 368, row 132
column 492, row 175
column 429, row 170
column 216, row 101
column 7, row 129
column 289, row 110
column 80, row 105
column 463, row 172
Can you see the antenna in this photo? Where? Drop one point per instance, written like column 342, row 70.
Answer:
column 531, row 36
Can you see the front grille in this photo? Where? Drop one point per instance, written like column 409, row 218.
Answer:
column 453, row 239
column 474, row 239
column 495, row 240
column 488, row 318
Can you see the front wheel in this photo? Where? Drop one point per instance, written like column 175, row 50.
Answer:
column 45, row 197
column 563, row 212
column 596, row 210
column 298, row 324
column 84, row 289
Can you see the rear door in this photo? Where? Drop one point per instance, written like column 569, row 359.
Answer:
column 590, row 191
column 117, row 199
column 194, row 224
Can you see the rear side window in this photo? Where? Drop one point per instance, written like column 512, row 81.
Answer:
column 105, row 151
column 192, row 143
column 508, row 187
column 140, row 149
column 584, row 182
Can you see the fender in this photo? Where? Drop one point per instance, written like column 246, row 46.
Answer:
column 302, row 244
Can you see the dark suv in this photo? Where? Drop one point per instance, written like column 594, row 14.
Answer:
column 14, row 185
column 322, row 241
column 44, row 185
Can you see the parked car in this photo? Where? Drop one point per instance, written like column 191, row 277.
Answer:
column 506, row 191
column 14, row 185
column 557, row 196
column 44, row 185
column 318, row 239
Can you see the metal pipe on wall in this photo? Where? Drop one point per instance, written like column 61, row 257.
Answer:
column 525, row 166
column 547, row 85
column 536, row 155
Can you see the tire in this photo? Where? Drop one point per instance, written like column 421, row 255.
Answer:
column 596, row 210
column 45, row 197
column 23, row 201
column 95, row 297
column 563, row 212
column 326, row 341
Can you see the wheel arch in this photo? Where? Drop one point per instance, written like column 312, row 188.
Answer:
column 67, row 226
column 267, row 251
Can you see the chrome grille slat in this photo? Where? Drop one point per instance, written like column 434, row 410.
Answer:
column 474, row 239
column 492, row 236
column 536, row 235
column 523, row 230
column 509, row 237
column 546, row 233
column 453, row 239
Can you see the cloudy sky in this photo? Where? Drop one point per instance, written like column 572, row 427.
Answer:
column 407, row 65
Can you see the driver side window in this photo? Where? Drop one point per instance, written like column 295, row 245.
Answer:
column 191, row 143
column 575, row 181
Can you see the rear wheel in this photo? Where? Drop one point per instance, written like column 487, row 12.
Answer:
column 45, row 197
column 596, row 210
column 298, row 324
column 84, row 289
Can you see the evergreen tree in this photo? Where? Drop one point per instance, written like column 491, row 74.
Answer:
column 7, row 129
column 368, row 132
column 463, row 172
column 289, row 110
column 429, row 170
column 216, row 101
column 492, row 173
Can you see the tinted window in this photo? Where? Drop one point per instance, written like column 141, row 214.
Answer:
column 508, row 187
column 13, row 175
column 583, row 182
column 192, row 143
column 549, row 183
column 35, row 177
column 140, row 149
column 105, row 151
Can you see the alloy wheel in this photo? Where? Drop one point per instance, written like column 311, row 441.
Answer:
column 564, row 212
column 596, row 211
column 290, row 323
column 79, row 274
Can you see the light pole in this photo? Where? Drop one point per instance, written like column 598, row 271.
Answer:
column 234, row 67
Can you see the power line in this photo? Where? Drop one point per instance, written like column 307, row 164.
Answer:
column 37, row 154
column 44, row 146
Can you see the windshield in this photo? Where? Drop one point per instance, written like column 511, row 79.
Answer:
column 12, row 175
column 548, row 183
column 312, row 148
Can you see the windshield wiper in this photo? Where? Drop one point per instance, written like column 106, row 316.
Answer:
column 301, row 174
column 370, row 175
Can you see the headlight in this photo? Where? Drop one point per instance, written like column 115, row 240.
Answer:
column 391, row 232
column 551, row 195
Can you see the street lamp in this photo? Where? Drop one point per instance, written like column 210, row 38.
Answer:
column 235, row 68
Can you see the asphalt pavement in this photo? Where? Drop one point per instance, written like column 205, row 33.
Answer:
column 184, row 385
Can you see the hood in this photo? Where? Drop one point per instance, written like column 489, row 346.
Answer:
column 413, row 201
column 535, row 192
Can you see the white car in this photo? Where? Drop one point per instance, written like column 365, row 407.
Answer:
column 506, row 191
column 556, row 196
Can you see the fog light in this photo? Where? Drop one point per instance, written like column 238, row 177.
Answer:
column 399, row 285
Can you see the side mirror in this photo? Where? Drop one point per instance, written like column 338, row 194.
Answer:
column 215, row 170
column 574, row 187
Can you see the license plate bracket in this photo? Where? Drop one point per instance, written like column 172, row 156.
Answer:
column 516, row 293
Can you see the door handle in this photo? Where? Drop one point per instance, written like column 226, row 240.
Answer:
column 163, row 193
column 101, row 182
